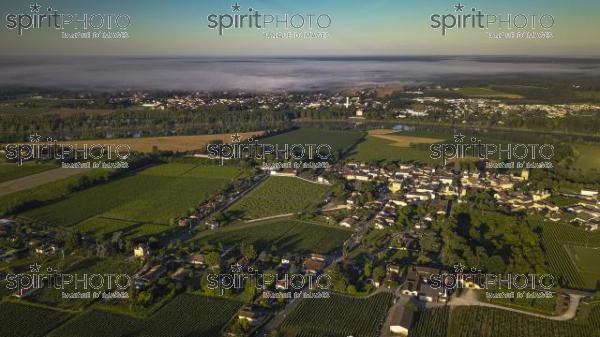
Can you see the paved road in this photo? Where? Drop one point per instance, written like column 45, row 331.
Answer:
column 470, row 298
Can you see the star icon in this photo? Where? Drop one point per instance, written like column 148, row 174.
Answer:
column 35, row 138
column 458, row 268
column 236, row 138
column 459, row 7
column 236, row 7
column 458, row 138
column 35, row 7
column 35, row 268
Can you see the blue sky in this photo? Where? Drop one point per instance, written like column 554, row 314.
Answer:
column 375, row 27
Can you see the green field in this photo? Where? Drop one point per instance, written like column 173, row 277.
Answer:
column 154, row 195
column 101, row 227
column 14, row 171
column 378, row 149
column 476, row 321
column 486, row 92
column 48, row 192
column 190, row 315
column 185, row 316
column 20, row 320
column 93, row 265
column 580, row 271
column 98, row 323
column 287, row 235
column 587, row 157
column 338, row 316
column 340, row 141
column 278, row 195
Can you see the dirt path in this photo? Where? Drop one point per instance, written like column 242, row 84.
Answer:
column 470, row 298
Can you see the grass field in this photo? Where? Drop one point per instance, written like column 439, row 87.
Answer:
column 10, row 171
column 486, row 92
column 576, row 267
column 375, row 148
column 278, row 195
column 476, row 321
column 287, row 235
column 154, row 195
column 338, row 140
column 587, row 157
column 338, row 316
column 20, row 320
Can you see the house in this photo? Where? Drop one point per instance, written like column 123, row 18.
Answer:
column 212, row 224
column 312, row 266
column 141, row 251
column 46, row 249
column 395, row 186
column 347, row 222
column 401, row 321
column 196, row 259
column 181, row 274
column 248, row 315
column 318, row 257
column 588, row 193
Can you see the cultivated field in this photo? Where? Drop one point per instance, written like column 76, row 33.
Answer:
column 20, row 320
column 93, row 265
column 190, row 315
column 278, row 195
column 576, row 266
column 338, row 316
column 287, row 235
column 154, row 195
column 376, row 148
column 9, row 171
column 338, row 140
column 486, row 92
column 33, row 177
column 185, row 316
column 476, row 321
column 98, row 323
column 173, row 143
column 400, row 140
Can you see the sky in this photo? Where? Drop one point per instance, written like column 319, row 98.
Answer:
column 358, row 27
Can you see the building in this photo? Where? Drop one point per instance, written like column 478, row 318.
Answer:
column 347, row 222
column 141, row 251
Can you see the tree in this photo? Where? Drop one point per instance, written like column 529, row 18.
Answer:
column 378, row 273
column 248, row 251
column 213, row 259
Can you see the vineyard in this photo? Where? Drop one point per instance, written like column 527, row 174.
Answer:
column 97, row 323
column 338, row 316
column 185, row 316
column 273, row 197
column 18, row 320
column 479, row 321
column 190, row 315
column 287, row 235
column 557, row 240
